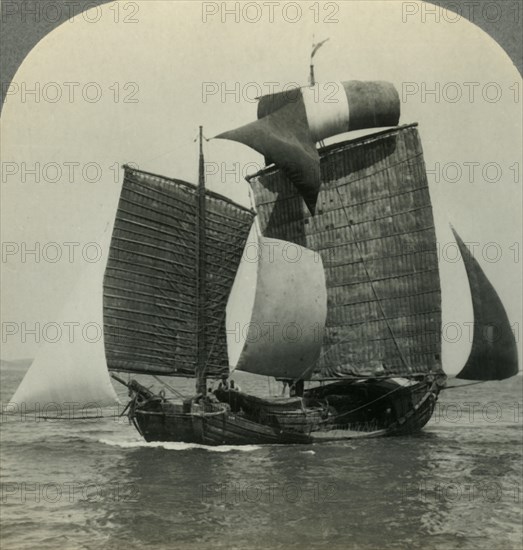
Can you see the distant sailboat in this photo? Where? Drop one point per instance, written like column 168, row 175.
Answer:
column 73, row 369
column 366, row 291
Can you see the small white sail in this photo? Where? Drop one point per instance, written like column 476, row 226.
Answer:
column 72, row 370
column 285, row 333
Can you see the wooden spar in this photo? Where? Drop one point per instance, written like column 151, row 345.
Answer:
column 201, row 383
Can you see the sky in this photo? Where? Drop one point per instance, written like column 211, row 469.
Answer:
column 182, row 64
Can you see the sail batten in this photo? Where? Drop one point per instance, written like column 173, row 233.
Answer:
column 150, row 285
column 374, row 231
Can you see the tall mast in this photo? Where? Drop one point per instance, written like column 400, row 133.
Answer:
column 312, row 81
column 315, row 48
column 201, row 383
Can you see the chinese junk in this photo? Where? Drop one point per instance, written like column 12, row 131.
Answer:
column 365, row 291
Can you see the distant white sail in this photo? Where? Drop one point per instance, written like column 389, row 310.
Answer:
column 285, row 332
column 73, row 370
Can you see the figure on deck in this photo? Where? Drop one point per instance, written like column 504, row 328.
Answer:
column 224, row 384
column 296, row 388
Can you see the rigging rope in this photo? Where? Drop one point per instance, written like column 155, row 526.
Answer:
column 364, row 405
column 371, row 283
column 217, row 333
column 73, row 418
column 378, row 300
column 173, row 390
column 464, row 385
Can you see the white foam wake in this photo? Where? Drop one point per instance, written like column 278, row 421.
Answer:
column 177, row 446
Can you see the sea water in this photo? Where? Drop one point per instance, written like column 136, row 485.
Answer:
column 95, row 484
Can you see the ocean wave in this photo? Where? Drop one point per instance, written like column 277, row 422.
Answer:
column 178, row 446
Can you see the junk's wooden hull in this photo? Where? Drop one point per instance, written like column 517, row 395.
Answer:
column 213, row 428
column 406, row 410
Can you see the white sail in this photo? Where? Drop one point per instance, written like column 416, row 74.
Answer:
column 72, row 372
column 326, row 116
column 285, row 332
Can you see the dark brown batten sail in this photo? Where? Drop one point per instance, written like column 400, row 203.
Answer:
column 494, row 353
column 150, row 301
column 374, row 229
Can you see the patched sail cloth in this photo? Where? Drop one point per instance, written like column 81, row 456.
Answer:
column 290, row 123
column 494, row 354
column 150, row 302
column 374, row 230
column 71, row 372
column 286, row 328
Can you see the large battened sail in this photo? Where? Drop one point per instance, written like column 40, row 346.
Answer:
column 494, row 354
column 150, row 285
column 374, row 230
